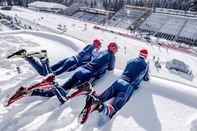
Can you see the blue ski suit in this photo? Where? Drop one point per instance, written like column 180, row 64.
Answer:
column 122, row 89
column 65, row 65
column 93, row 70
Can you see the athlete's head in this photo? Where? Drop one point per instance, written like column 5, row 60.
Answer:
column 143, row 53
column 113, row 47
column 97, row 43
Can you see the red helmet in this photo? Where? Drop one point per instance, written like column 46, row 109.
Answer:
column 97, row 43
column 143, row 53
column 113, row 47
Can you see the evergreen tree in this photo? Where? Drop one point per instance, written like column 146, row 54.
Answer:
column 9, row 2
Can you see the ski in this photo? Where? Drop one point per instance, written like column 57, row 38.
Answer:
column 83, row 89
column 21, row 92
column 17, row 53
column 84, row 114
column 18, row 95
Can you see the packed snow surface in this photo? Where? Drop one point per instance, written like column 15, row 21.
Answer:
column 159, row 105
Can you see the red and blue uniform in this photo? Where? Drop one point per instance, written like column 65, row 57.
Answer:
column 122, row 89
column 65, row 65
column 93, row 70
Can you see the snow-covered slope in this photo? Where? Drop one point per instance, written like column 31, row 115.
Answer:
column 159, row 105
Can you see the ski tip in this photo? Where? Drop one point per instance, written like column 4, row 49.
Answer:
column 19, row 52
column 8, row 57
column 6, row 104
column 81, row 120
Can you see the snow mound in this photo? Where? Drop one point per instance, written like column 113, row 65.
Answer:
column 192, row 123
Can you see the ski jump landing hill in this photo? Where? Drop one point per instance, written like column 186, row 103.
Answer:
column 158, row 105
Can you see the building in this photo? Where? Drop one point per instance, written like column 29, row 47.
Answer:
column 47, row 6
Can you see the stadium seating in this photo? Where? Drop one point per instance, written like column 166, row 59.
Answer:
column 171, row 27
column 126, row 17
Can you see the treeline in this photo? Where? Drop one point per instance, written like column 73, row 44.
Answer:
column 193, row 5
column 15, row 2
column 117, row 4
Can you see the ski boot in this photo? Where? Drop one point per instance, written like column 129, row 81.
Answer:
column 105, row 115
column 41, row 55
column 50, row 78
column 83, row 89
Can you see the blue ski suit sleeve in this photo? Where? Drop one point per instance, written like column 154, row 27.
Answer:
column 147, row 75
column 122, row 89
column 112, row 63
column 85, row 55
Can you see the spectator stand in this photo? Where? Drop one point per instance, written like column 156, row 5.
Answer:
column 93, row 15
column 129, row 17
column 173, row 25
column 163, row 44
column 47, row 6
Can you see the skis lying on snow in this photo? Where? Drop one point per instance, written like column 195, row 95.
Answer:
column 20, row 93
column 83, row 89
